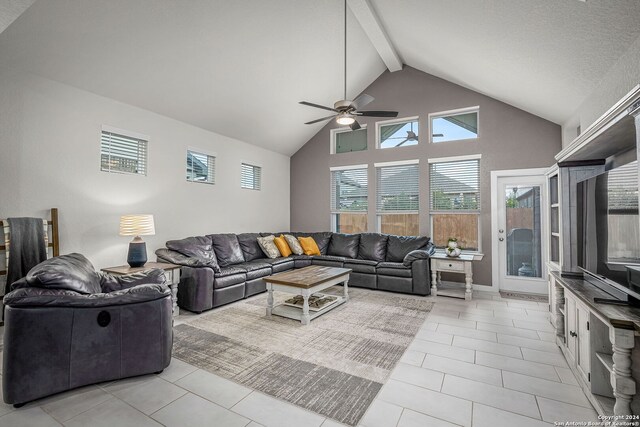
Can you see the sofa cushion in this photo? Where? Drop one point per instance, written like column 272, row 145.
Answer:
column 396, row 269
column 230, row 280
column 230, row 271
column 373, row 246
column 345, row 245
column 227, row 249
column 399, row 246
column 276, row 261
column 249, row 245
column 198, row 247
column 255, row 269
column 72, row 272
column 361, row 265
column 322, row 239
column 328, row 260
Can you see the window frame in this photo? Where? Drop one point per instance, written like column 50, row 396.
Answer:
column 415, row 162
column 455, row 112
column 139, row 137
column 209, row 154
column 396, row 121
column 334, row 213
column 477, row 212
column 253, row 165
column 343, row 129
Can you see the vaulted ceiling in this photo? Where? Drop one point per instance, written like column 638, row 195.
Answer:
column 240, row 67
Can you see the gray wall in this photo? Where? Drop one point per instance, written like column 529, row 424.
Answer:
column 509, row 139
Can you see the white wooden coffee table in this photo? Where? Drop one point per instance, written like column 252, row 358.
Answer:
column 306, row 281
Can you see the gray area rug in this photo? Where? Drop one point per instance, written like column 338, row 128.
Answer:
column 335, row 366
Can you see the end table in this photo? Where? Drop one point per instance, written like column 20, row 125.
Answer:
column 461, row 264
column 171, row 271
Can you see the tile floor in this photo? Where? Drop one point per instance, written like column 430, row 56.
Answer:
column 489, row 362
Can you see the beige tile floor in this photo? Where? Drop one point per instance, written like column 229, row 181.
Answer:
column 480, row 363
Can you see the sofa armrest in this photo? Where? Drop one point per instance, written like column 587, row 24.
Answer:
column 42, row 297
column 416, row 255
column 174, row 257
column 110, row 283
column 195, row 290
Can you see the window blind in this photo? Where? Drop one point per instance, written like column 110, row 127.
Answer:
column 349, row 190
column 251, row 176
column 397, row 188
column 201, row 167
column 622, row 188
column 124, row 154
column 455, row 186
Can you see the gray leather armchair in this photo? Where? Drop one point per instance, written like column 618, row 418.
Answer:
column 67, row 325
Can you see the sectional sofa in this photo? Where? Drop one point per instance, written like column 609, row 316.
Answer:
column 221, row 268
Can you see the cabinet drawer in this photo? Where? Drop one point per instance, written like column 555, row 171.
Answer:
column 446, row 265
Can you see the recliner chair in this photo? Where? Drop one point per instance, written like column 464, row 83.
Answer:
column 67, row 326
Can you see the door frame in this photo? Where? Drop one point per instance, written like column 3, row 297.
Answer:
column 515, row 173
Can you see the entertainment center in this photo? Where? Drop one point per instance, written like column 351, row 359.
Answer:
column 594, row 257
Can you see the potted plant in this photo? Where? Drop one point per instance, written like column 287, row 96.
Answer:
column 452, row 249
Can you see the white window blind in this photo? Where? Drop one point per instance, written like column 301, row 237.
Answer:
column 622, row 188
column 251, row 176
column 397, row 189
column 349, row 190
column 455, row 185
column 123, row 154
column 201, row 167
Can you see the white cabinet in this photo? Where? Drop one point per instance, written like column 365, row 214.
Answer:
column 577, row 335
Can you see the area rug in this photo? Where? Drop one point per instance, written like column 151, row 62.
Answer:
column 524, row 296
column 335, row 366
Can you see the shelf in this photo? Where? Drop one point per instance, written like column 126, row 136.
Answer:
column 606, row 359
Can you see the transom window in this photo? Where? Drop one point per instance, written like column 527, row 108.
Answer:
column 251, row 177
column 201, row 167
column 397, row 133
column 398, row 197
column 454, row 125
column 455, row 201
column 347, row 140
column 122, row 153
column 349, row 199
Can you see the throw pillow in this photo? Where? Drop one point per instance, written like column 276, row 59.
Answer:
column 294, row 245
column 268, row 247
column 282, row 246
column 309, row 246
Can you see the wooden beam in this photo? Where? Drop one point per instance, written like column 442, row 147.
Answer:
column 370, row 22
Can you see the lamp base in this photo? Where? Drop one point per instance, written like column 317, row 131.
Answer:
column 137, row 255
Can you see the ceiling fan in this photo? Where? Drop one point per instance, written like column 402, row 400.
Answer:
column 346, row 111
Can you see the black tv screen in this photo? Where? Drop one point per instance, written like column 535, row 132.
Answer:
column 609, row 225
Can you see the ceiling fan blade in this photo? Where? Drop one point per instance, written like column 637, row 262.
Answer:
column 320, row 120
column 310, row 104
column 438, row 135
column 355, row 125
column 377, row 113
column 402, row 142
column 362, row 100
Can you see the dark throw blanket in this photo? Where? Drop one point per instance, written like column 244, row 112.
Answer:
column 27, row 248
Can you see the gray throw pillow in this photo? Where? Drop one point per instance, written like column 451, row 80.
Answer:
column 294, row 244
column 268, row 246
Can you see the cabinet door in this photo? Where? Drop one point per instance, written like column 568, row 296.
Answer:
column 583, row 360
column 570, row 328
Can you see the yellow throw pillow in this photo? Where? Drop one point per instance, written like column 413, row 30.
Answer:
column 282, row 245
column 309, row 246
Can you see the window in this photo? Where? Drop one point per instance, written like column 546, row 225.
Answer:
column 397, row 133
column 201, row 167
column 454, row 125
column 349, row 199
column 123, row 154
column 455, row 201
column 250, row 176
column 346, row 140
column 397, row 197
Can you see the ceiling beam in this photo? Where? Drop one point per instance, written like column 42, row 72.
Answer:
column 372, row 27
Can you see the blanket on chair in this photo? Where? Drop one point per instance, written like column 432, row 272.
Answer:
column 27, row 248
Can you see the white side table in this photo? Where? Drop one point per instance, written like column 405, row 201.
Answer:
column 462, row 264
column 171, row 272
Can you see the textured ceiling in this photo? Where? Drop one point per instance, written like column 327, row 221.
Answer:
column 240, row 67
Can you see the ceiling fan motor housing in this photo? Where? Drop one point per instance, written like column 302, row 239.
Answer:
column 342, row 105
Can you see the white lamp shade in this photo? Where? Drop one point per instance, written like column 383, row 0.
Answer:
column 137, row 225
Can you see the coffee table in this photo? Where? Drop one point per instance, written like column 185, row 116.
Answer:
column 306, row 281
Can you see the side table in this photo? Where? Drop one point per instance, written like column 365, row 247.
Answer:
column 461, row 264
column 171, row 271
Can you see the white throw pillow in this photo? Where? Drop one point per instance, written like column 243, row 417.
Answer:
column 294, row 244
column 268, row 247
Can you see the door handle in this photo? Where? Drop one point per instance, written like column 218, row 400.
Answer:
column 573, row 334
column 500, row 231
column 501, row 239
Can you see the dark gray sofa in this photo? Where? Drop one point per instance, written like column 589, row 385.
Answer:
column 67, row 325
column 221, row 268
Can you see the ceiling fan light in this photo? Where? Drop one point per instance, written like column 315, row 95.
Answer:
column 345, row 119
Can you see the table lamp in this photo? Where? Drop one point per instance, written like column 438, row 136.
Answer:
column 137, row 225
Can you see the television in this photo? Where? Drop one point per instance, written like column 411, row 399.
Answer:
column 608, row 247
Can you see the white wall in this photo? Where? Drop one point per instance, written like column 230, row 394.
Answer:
column 50, row 157
column 623, row 76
